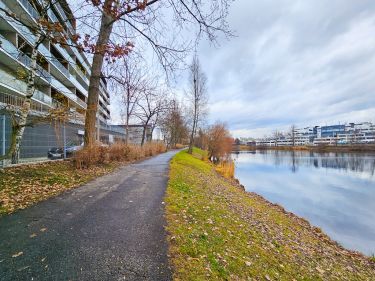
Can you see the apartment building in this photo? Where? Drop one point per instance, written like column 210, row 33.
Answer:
column 352, row 133
column 62, row 77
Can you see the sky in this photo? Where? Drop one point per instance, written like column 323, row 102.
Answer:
column 307, row 63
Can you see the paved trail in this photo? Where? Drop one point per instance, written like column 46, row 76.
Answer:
column 109, row 229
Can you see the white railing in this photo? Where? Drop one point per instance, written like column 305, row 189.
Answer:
column 81, row 103
column 18, row 55
column 26, row 4
column 59, row 65
column 65, row 18
column 81, row 74
column 18, row 102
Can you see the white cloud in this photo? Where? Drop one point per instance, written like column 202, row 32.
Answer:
column 294, row 62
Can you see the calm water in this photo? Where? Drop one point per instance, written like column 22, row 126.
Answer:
column 334, row 191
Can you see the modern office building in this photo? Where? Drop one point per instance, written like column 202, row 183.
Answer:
column 62, row 77
column 352, row 133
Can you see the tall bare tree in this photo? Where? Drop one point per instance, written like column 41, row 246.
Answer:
column 150, row 105
column 173, row 125
column 197, row 96
column 292, row 134
column 276, row 135
column 132, row 84
column 123, row 22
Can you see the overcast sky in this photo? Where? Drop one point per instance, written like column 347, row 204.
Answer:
column 293, row 62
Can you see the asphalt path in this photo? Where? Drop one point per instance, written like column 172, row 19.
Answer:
column 109, row 229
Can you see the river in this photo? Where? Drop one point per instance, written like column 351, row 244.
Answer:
column 333, row 191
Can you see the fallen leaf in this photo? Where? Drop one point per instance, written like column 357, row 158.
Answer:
column 17, row 254
column 43, row 229
column 23, row 268
column 33, row 235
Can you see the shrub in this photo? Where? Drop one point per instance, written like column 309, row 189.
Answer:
column 179, row 145
column 118, row 152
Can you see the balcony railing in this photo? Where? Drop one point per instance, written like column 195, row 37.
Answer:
column 52, row 16
column 81, row 102
column 18, row 102
column 43, row 98
column 40, row 71
column 59, row 65
column 81, row 74
column 26, row 4
column 18, row 55
column 63, row 15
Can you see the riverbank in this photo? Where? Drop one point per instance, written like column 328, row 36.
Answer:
column 321, row 148
column 217, row 231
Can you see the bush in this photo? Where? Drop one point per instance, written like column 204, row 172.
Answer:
column 118, row 152
column 179, row 145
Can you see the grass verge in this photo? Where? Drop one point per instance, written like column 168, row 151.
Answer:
column 25, row 185
column 216, row 231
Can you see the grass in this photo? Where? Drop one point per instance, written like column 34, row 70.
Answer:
column 219, row 232
column 25, row 185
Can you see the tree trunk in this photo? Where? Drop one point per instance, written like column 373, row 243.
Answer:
column 143, row 135
column 127, row 133
column 96, row 70
column 25, row 109
column 127, row 116
column 190, row 151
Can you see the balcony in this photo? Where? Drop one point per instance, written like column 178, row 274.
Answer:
column 11, row 50
column 40, row 71
column 29, row 8
column 52, row 16
column 81, row 74
column 59, row 66
column 17, row 101
column 64, row 17
column 43, row 98
column 81, row 103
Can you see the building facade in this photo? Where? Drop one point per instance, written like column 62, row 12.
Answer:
column 62, row 78
column 352, row 133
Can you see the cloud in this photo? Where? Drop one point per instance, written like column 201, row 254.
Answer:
column 293, row 62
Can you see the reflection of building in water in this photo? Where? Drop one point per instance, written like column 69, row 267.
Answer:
column 361, row 133
column 341, row 161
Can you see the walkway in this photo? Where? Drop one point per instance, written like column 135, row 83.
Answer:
column 109, row 229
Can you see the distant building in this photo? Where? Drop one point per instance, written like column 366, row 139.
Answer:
column 352, row 133
column 136, row 132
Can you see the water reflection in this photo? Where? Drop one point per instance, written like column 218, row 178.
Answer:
column 364, row 163
column 334, row 191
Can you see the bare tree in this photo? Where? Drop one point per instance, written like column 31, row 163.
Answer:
column 133, row 83
column 173, row 125
column 276, row 135
column 219, row 142
column 292, row 134
column 122, row 22
column 150, row 105
column 198, row 97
